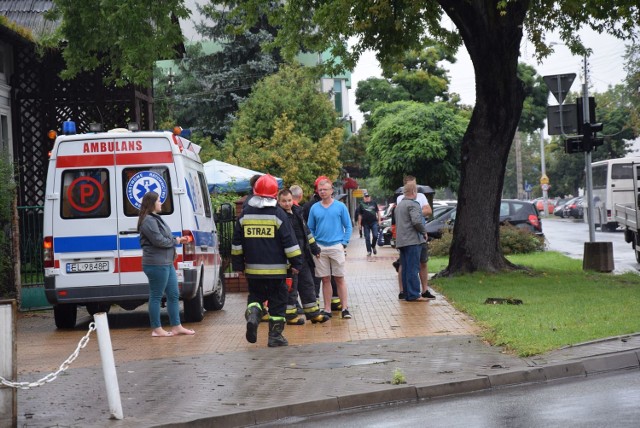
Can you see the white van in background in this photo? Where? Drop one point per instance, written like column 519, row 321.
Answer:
column 92, row 254
column 612, row 184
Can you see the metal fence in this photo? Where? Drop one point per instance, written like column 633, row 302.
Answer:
column 31, row 263
column 225, row 220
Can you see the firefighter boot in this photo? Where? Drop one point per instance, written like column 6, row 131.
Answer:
column 319, row 318
column 336, row 304
column 275, row 334
column 252, row 315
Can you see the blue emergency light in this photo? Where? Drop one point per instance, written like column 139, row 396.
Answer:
column 68, row 127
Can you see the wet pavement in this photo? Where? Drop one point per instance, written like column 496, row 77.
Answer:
column 217, row 378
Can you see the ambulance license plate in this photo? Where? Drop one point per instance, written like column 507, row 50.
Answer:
column 87, row 267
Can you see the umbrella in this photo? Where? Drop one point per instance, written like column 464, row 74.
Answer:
column 422, row 188
column 225, row 177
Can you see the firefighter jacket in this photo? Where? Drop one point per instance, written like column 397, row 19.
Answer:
column 305, row 238
column 264, row 241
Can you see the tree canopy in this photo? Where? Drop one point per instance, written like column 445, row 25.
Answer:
column 286, row 127
column 423, row 139
column 125, row 37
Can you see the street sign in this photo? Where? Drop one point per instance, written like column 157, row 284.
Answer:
column 528, row 187
column 569, row 124
column 545, row 187
column 544, row 179
column 559, row 85
column 358, row 193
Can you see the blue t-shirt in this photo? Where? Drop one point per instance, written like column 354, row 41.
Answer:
column 331, row 225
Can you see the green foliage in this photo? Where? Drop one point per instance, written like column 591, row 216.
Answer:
column 353, row 154
column 632, row 67
column 409, row 135
column 127, row 37
column 7, row 195
column 534, row 109
column 398, row 377
column 374, row 91
column 416, row 77
column 513, row 240
column 563, row 305
column 210, row 85
column 224, row 198
column 288, row 129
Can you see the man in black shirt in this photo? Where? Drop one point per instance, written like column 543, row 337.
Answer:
column 369, row 220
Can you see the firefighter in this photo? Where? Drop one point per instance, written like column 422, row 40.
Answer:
column 303, row 284
column 264, row 243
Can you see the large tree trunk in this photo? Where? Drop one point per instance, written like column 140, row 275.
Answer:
column 493, row 40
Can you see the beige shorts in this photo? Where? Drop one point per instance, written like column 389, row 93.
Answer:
column 331, row 261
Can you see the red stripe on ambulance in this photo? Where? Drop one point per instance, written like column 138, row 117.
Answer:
column 120, row 159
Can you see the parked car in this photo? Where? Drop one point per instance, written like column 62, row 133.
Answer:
column 574, row 208
column 521, row 214
column 539, row 203
column 559, row 208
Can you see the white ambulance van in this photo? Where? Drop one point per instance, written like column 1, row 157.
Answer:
column 92, row 254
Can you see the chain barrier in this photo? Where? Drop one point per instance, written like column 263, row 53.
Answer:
column 52, row 376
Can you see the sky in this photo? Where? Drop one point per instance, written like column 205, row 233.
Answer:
column 606, row 67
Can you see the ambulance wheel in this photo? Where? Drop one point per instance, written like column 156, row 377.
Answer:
column 215, row 300
column 65, row 315
column 94, row 308
column 194, row 308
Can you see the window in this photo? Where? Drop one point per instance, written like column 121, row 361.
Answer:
column 205, row 194
column 504, row 209
column 137, row 181
column 337, row 91
column 85, row 193
column 621, row 171
column 4, row 132
column 599, row 176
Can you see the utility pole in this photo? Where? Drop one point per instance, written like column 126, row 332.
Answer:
column 520, row 193
column 587, row 154
column 545, row 186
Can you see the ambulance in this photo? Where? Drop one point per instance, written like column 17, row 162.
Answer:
column 92, row 254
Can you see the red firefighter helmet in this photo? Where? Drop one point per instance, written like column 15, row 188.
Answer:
column 266, row 186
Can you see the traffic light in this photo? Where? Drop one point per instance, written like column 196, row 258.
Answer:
column 590, row 140
column 573, row 144
column 592, row 110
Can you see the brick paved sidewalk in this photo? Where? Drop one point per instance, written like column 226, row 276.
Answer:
column 218, row 378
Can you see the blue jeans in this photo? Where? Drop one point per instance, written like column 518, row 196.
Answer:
column 163, row 280
column 410, row 260
column 369, row 240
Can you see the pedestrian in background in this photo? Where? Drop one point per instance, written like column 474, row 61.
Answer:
column 263, row 245
column 369, row 220
column 330, row 224
column 411, row 233
column 424, row 253
column 158, row 254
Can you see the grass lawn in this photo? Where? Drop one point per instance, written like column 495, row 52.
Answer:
column 562, row 304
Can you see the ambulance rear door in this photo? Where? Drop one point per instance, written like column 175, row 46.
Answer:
column 144, row 163
column 84, row 221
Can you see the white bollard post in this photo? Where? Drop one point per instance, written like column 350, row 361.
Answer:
column 108, row 365
column 8, row 366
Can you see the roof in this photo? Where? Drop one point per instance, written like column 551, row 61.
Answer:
column 29, row 14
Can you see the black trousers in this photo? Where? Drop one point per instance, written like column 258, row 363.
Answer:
column 272, row 289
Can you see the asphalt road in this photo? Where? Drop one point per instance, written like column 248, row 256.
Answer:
column 568, row 236
column 587, row 402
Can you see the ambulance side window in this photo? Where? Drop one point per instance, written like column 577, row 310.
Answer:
column 137, row 181
column 205, row 194
column 85, row 193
